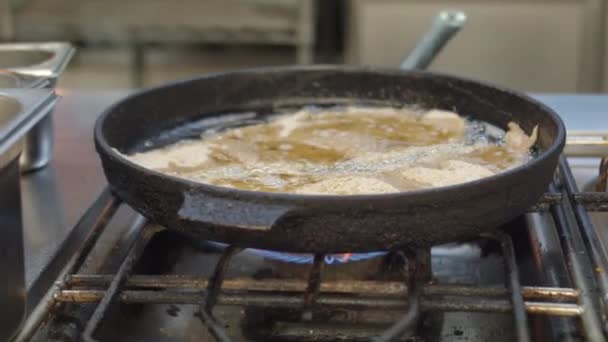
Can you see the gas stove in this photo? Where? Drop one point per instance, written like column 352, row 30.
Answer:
column 96, row 270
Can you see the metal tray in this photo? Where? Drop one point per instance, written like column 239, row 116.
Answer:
column 36, row 59
column 20, row 110
column 9, row 79
column 35, row 65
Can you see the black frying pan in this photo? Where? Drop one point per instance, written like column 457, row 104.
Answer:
column 306, row 223
column 312, row 223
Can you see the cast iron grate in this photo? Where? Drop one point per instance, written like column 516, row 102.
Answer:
column 586, row 300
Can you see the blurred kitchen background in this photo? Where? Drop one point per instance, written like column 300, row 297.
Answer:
column 531, row 45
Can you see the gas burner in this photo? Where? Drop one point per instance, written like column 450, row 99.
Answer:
column 305, row 258
column 302, row 258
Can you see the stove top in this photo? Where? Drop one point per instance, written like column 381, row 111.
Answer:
column 267, row 296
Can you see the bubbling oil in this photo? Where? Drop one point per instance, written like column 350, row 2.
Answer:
column 343, row 150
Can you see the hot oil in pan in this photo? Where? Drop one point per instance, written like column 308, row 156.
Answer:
column 193, row 130
column 337, row 150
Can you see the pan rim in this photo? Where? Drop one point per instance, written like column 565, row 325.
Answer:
column 260, row 196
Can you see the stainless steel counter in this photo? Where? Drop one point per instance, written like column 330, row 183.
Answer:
column 55, row 197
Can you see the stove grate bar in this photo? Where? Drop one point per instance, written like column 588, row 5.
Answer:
column 590, row 201
column 145, row 233
column 363, row 287
column 593, row 242
column 215, row 283
column 210, row 295
column 514, row 286
column 578, row 264
column 416, row 265
column 284, row 300
column 313, row 287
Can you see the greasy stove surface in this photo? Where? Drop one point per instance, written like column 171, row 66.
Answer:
column 56, row 197
column 455, row 264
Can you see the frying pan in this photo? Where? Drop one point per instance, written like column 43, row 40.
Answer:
column 321, row 223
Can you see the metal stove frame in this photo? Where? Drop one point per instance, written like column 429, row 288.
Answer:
column 581, row 250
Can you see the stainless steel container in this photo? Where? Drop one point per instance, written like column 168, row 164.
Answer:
column 20, row 110
column 13, row 80
column 36, row 59
column 37, row 65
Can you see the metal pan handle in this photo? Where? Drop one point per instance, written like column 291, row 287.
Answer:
column 446, row 24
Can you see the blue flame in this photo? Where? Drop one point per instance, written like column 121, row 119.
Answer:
column 305, row 258
column 308, row 258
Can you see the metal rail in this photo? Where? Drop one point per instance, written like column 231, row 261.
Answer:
column 597, row 251
column 590, row 201
column 367, row 287
column 514, row 286
column 145, row 234
column 282, row 300
column 576, row 257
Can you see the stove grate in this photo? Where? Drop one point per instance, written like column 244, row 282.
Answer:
column 582, row 253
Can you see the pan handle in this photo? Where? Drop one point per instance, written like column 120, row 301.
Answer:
column 446, row 24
